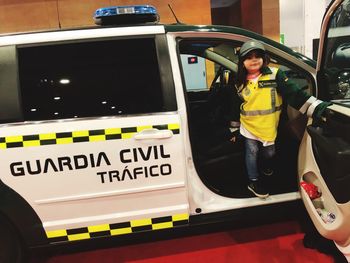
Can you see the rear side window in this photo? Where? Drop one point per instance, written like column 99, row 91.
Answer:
column 90, row 79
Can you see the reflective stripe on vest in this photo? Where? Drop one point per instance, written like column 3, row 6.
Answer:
column 261, row 112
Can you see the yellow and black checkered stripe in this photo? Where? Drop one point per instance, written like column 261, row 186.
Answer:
column 105, row 230
column 79, row 136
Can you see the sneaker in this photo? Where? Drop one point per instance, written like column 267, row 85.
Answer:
column 267, row 171
column 257, row 189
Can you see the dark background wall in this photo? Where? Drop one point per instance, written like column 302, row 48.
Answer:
column 260, row 16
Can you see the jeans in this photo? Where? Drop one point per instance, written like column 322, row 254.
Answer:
column 253, row 150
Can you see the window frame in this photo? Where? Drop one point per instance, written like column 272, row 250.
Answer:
column 238, row 43
column 10, row 97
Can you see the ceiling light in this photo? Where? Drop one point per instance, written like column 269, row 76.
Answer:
column 64, row 81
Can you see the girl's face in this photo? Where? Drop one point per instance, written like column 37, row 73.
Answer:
column 253, row 62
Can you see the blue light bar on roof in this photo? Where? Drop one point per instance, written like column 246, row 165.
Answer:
column 126, row 15
column 122, row 10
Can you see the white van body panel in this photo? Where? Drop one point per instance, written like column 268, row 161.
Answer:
column 75, row 195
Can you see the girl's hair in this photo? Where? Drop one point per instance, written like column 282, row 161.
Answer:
column 242, row 72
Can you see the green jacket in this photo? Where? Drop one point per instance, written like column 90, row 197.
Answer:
column 297, row 98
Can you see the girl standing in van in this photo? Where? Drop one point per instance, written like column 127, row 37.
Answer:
column 262, row 89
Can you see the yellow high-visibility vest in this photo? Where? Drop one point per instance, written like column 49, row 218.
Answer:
column 261, row 109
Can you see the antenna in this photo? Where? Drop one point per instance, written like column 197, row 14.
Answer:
column 58, row 15
column 177, row 20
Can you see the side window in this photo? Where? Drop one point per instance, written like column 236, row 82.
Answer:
column 90, row 79
column 337, row 53
column 209, row 70
column 201, row 73
column 299, row 77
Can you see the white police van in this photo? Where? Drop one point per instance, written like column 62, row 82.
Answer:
column 115, row 130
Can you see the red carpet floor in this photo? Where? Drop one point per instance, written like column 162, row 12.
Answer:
column 282, row 242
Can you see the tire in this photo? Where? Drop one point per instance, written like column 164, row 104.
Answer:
column 11, row 250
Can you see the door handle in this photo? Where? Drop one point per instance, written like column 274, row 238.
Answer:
column 153, row 134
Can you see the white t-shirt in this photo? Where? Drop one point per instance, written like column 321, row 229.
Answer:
column 248, row 135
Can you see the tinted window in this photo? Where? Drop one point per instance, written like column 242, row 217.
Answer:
column 337, row 56
column 90, row 79
column 297, row 75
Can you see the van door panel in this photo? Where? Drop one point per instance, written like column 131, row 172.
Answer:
column 332, row 154
column 73, row 175
column 324, row 157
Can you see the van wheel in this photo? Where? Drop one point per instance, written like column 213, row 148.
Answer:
column 10, row 246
